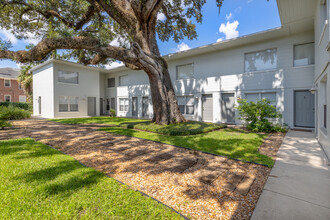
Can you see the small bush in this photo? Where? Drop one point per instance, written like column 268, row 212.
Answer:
column 4, row 124
column 13, row 113
column 256, row 115
column 112, row 112
column 21, row 105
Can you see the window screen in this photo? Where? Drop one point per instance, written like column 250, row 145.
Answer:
column 261, row 60
column 123, row 80
column 111, row 82
column 185, row 71
column 68, row 77
column 303, row 54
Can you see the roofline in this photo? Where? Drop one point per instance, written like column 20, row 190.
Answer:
column 98, row 69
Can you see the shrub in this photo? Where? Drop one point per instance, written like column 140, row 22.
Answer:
column 256, row 115
column 112, row 112
column 4, row 124
column 13, row 113
column 21, row 105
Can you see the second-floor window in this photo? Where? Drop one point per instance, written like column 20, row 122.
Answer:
column 7, row 83
column 303, row 54
column 68, row 77
column 185, row 71
column 260, row 60
column 123, row 80
column 111, row 82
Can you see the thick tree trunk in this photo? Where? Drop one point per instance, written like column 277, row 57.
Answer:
column 165, row 105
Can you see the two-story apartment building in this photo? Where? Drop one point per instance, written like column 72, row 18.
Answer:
column 288, row 65
column 10, row 88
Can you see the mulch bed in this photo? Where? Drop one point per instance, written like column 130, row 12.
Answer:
column 200, row 186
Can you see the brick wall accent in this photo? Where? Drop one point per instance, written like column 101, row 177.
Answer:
column 14, row 91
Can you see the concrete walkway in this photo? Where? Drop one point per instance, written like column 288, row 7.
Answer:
column 299, row 184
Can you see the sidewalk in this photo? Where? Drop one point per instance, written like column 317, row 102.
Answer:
column 299, row 184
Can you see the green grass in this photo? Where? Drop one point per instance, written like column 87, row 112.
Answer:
column 38, row 182
column 233, row 143
column 187, row 128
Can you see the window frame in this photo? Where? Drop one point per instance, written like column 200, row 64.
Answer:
column 60, row 82
column 119, row 81
column 177, row 72
column 7, row 96
column 20, row 97
column 258, row 51
column 125, row 106
column 186, row 105
column 114, row 82
column 68, row 99
column 300, row 44
column 4, row 83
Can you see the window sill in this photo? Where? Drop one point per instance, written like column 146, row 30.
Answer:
column 304, row 66
column 63, row 83
column 262, row 71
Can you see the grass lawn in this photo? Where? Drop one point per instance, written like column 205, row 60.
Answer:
column 233, row 143
column 38, row 182
column 187, row 128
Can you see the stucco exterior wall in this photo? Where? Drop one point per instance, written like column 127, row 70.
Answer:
column 223, row 72
column 88, row 86
column 43, row 86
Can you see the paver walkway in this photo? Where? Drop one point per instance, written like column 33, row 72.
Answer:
column 298, row 186
column 200, row 186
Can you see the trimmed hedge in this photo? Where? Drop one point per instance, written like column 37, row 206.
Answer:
column 21, row 105
column 13, row 113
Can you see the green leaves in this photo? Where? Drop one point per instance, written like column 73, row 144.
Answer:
column 257, row 115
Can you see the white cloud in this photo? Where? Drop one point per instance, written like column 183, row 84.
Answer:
column 8, row 35
column 114, row 65
column 182, row 47
column 229, row 29
column 230, row 16
column 161, row 17
column 249, row 1
column 220, row 39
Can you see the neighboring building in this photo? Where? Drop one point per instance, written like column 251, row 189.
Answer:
column 10, row 89
column 288, row 65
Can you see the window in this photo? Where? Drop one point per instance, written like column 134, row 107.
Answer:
column 7, row 98
column 111, row 82
column 123, row 80
column 252, row 97
column 20, row 86
column 22, row 98
column 303, row 54
column 123, row 105
column 7, row 83
column 186, row 104
column 261, row 60
column 68, row 104
column 185, row 71
column 68, row 77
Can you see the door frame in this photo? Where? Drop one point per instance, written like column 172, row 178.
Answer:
column 222, row 119
column 295, row 108
column 137, row 104
column 211, row 95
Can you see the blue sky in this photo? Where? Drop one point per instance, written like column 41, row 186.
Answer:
column 237, row 18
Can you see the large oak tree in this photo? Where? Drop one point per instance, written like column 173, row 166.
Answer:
column 87, row 30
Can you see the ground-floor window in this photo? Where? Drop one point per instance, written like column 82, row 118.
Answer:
column 7, row 98
column 186, row 104
column 68, row 104
column 123, row 104
column 22, row 98
column 252, row 97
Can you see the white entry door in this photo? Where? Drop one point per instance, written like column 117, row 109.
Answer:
column 207, row 105
column 304, row 109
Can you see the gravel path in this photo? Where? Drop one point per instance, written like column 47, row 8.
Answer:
column 198, row 185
